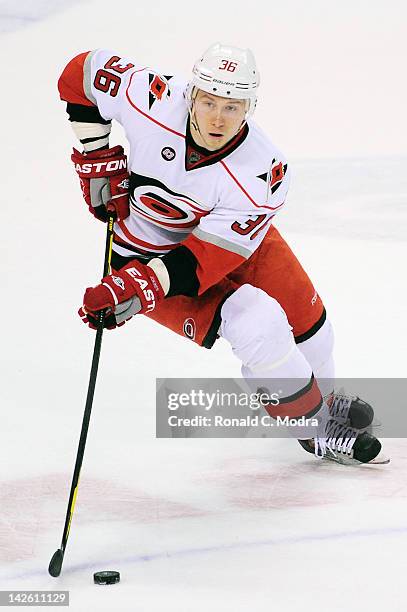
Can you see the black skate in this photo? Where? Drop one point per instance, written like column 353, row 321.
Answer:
column 350, row 410
column 346, row 445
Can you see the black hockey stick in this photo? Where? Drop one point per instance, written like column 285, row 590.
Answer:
column 55, row 564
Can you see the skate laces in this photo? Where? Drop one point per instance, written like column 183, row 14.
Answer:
column 338, row 439
column 340, row 405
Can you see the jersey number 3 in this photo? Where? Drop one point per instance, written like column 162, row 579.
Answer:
column 108, row 82
column 248, row 226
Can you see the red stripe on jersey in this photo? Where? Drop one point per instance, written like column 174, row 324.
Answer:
column 214, row 262
column 305, row 403
column 140, row 243
column 145, row 114
column 70, row 83
column 246, row 193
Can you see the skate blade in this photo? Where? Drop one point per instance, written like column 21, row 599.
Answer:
column 379, row 460
column 346, row 460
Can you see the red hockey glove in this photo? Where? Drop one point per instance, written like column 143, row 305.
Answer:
column 104, row 179
column 134, row 289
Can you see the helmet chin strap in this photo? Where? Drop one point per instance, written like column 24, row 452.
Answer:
column 194, row 122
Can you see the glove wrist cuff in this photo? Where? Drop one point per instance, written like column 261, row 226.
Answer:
column 145, row 284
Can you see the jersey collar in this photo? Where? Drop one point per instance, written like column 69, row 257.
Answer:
column 198, row 157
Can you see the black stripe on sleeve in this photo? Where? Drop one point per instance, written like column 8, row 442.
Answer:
column 313, row 330
column 181, row 264
column 88, row 114
column 88, row 140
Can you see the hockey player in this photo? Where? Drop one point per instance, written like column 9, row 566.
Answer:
column 195, row 248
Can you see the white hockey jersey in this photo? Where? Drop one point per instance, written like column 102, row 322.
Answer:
column 218, row 204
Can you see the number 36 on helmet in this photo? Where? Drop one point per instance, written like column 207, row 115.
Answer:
column 226, row 71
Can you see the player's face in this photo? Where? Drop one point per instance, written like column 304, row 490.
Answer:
column 218, row 119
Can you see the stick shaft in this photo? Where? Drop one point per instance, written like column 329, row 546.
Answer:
column 90, row 394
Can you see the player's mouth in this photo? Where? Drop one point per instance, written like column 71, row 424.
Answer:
column 215, row 135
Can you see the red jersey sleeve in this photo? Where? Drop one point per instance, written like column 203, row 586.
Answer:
column 71, row 82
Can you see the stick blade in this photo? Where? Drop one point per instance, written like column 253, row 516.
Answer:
column 55, row 565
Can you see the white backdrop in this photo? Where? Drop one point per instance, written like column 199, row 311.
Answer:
column 230, row 524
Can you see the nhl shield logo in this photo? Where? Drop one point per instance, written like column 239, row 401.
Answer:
column 194, row 157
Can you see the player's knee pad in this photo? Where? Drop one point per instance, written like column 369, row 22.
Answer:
column 257, row 328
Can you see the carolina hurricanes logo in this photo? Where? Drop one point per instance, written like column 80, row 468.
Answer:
column 152, row 200
column 276, row 175
column 159, row 88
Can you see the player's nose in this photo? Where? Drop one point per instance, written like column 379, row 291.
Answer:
column 218, row 119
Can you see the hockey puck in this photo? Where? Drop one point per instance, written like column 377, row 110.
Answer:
column 106, row 577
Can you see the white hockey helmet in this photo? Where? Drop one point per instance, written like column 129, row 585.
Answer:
column 226, row 71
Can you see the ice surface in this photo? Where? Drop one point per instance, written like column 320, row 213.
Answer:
column 228, row 524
